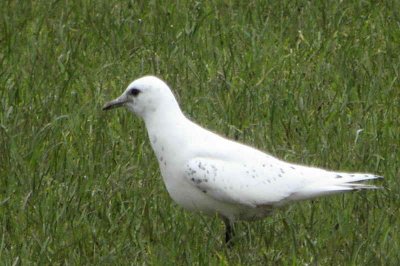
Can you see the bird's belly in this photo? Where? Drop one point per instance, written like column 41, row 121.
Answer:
column 193, row 199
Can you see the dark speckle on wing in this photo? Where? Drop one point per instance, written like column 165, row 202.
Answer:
column 201, row 166
column 197, row 180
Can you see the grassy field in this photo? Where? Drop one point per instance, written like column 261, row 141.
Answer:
column 297, row 79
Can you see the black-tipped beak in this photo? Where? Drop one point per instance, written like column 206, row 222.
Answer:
column 114, row 104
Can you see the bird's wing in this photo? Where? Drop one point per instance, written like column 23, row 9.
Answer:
column 244, row 183
column 267, row 181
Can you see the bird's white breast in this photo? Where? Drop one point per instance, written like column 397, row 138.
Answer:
column 171, row 161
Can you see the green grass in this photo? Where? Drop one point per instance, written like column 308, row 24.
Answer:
column 294, row 78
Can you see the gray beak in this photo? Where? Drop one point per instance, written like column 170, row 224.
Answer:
column 120, row 101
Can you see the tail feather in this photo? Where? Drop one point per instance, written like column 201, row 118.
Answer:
column 351, row 178
column 334, row 184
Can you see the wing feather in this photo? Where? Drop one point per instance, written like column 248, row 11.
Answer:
column 240, row 183
column 268, row 181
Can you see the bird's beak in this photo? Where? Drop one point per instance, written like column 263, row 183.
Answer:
column 120, row 101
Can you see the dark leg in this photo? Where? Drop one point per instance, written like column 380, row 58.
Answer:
column 229, row 233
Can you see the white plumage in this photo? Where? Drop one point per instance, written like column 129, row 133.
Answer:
column 205, row 172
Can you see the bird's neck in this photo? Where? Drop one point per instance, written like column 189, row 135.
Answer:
column 168, row 134
column 167, row 121
column 165, row 115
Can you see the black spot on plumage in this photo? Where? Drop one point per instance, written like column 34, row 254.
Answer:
column 292, row 167
column 201, row 166
column 339, row 176
column 191, row 171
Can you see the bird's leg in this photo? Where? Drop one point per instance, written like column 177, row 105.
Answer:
column 229, row 232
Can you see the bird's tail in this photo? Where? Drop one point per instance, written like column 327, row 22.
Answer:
column 335, row 183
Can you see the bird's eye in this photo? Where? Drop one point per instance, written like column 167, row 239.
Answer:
column 134, row 92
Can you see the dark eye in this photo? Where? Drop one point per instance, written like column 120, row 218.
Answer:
column 134, row 92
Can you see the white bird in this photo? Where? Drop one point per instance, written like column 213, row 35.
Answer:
column 205, row 172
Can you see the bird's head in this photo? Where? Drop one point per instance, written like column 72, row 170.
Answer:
column 145, row 96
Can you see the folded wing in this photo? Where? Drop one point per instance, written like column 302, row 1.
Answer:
column 267, row 182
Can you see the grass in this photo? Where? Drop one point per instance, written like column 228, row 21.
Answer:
column 295, row 78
